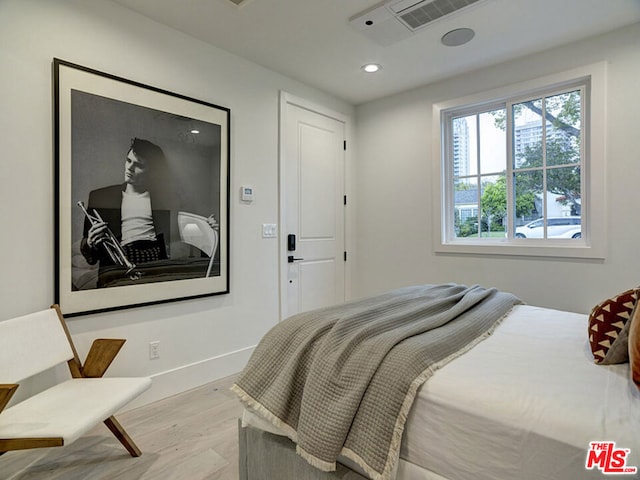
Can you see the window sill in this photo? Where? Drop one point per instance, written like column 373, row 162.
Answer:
column 544, row 248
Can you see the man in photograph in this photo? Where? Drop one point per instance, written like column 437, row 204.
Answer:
column 124, row 221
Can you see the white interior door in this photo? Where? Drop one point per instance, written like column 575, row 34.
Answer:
column 313, row 172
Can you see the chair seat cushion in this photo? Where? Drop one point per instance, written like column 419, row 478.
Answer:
column 71, row 408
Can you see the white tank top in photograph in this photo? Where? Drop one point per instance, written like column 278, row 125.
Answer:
column 137, row 219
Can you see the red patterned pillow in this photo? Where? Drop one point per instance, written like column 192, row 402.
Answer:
column 609, row 324
column 634, row 346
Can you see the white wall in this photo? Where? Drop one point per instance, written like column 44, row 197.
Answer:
column 395, row 182
column 200, row 340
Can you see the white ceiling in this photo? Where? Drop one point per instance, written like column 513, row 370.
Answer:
column 312, row 40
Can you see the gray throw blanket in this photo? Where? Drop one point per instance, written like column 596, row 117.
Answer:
column 341, row 380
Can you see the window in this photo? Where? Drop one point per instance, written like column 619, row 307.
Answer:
column 516, row 168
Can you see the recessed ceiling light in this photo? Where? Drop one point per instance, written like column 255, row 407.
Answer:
column 195, row 132
column 371, row 67
column 457, row 37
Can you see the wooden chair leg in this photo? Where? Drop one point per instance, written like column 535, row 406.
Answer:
column 6, row 392
column 122, row 436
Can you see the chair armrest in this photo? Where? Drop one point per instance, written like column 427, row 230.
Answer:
column 100, row 356
column 6, row 392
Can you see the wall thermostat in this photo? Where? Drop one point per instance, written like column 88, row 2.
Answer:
column 246, row 193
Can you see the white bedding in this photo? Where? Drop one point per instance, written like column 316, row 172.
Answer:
column 521, row 405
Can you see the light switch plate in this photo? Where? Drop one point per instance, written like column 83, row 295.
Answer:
column 269, row 230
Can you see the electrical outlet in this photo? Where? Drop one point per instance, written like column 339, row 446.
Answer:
column 154, row 350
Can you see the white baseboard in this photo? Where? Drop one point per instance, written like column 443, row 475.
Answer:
column 179, row 380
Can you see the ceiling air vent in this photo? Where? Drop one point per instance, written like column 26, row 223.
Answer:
column 425, row 13
column 394, row 20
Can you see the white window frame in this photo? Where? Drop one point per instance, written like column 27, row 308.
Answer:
column 593, row 169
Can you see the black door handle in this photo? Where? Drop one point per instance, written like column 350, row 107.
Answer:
column 290, row 259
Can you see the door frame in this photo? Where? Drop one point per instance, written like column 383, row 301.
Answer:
column 289, row 99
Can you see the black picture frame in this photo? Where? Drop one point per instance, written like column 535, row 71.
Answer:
column 100, row 119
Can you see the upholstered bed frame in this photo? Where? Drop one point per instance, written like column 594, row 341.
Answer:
column 265, row 456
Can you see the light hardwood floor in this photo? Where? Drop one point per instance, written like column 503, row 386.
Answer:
column 189, row 436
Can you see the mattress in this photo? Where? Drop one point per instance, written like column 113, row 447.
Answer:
column 523, row 404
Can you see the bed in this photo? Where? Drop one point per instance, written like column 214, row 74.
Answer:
column 548, row 413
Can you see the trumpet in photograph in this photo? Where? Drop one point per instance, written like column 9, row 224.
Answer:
column 111, row 245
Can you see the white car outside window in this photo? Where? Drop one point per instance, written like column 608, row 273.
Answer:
column 558, row 227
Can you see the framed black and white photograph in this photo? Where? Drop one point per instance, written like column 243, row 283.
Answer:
column 142, row 193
